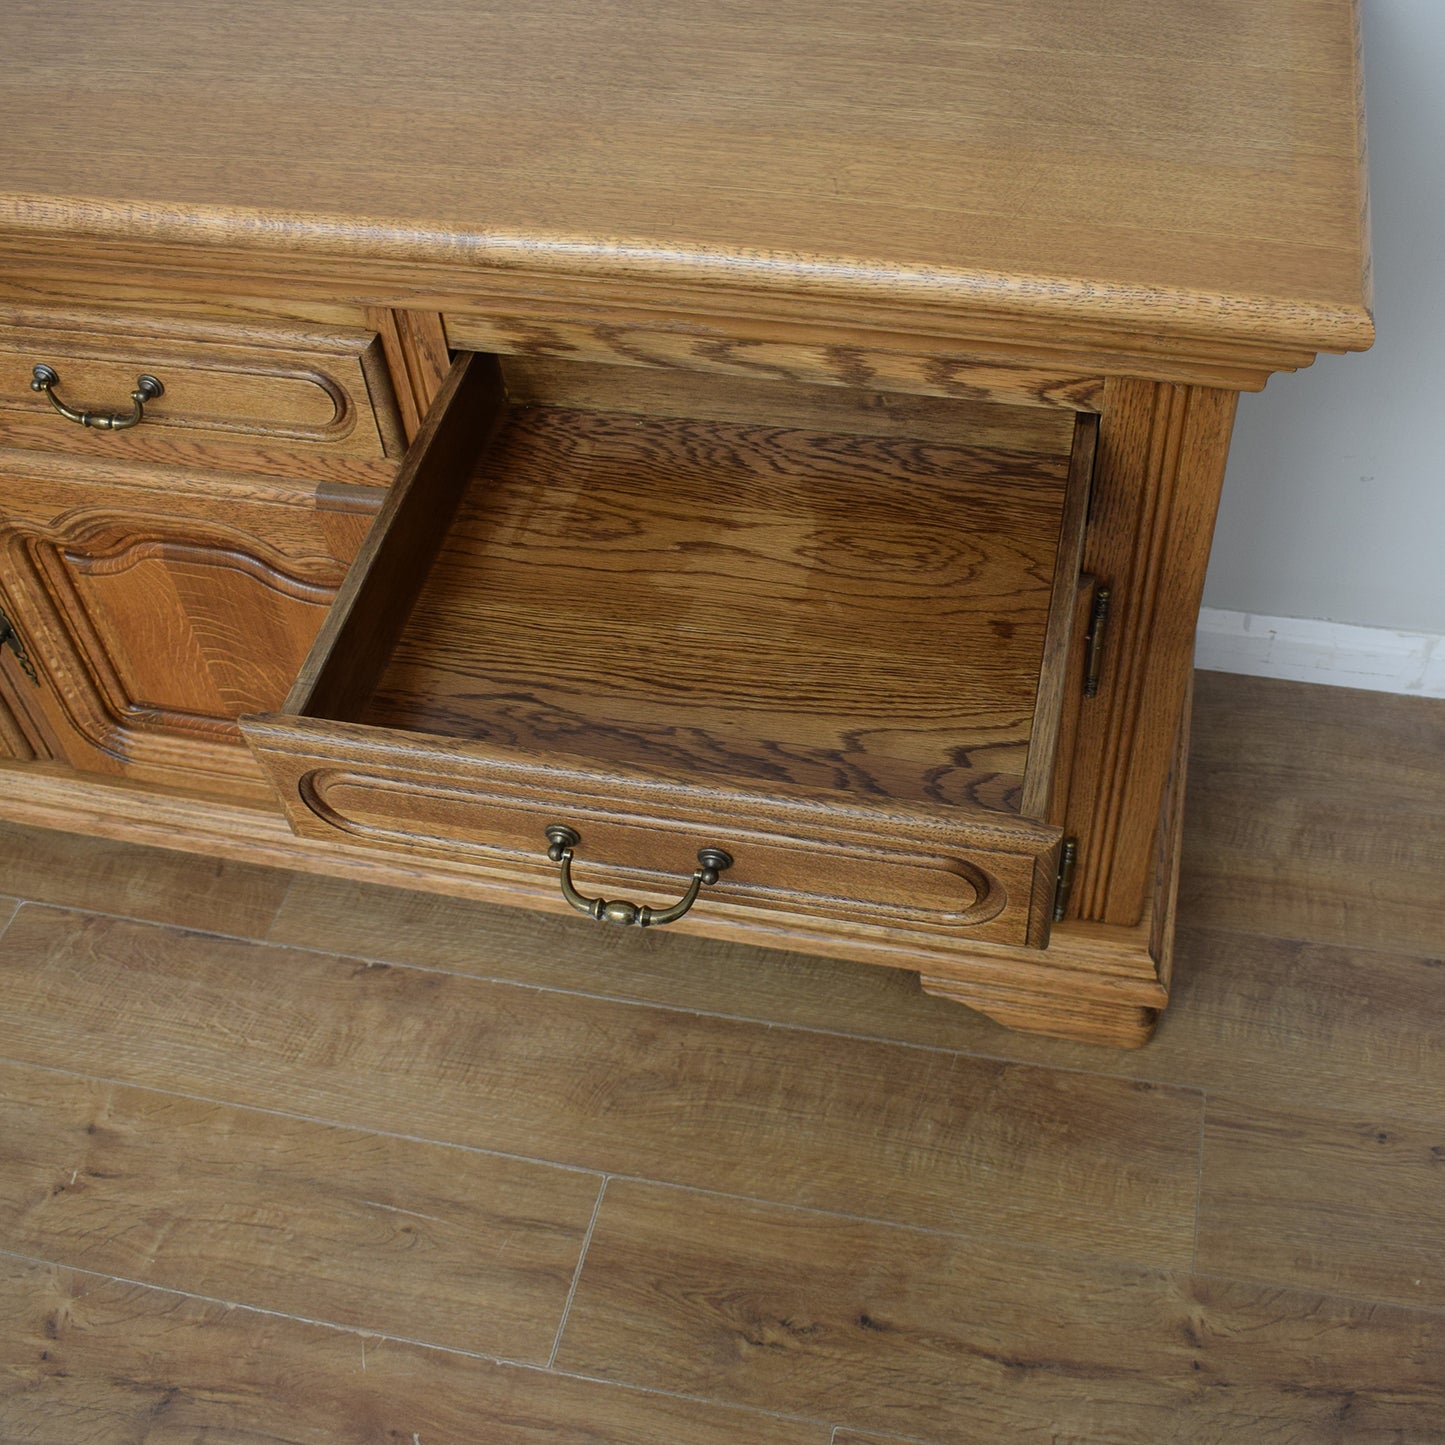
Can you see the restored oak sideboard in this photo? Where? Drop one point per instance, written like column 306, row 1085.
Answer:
column 748, row 469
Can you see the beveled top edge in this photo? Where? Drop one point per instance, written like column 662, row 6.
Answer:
column 937, row 293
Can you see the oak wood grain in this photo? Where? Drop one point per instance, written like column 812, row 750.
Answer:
column 773, row 353
column 1149, row 171
column 853, row 613
column 243, row 397
column 1161, row 460
column 155, row 884
column 444, row 1246
column 764, row 400
column 1060, row 693
column 1094, row 961
column 158, row 614
column 1347, row 1202
column 17, row 739
column 88, row 1361
column 967, row 1340
column 417, row 358
column 922, row 1136
column 1063, row 361
column 900, row 875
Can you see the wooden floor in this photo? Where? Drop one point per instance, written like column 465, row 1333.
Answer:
column 287, row 1160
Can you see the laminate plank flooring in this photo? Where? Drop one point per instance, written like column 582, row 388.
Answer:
column 964, row 1340
column 1341, row 794
column 90, row 1361
column 212, row 894
column 919, row 1136
column 1351, row 1203
column 1316, row 1024
column 395, row 1235
column 833, row 1209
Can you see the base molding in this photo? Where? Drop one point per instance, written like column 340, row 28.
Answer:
column 1338, row 654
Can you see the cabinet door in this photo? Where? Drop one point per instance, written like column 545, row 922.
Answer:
column 155, row 616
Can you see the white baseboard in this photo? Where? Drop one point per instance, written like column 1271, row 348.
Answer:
column 1337, row 653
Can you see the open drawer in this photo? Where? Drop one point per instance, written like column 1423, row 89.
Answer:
column 830, row 634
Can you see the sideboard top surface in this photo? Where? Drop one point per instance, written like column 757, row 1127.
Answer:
column 1133, row 167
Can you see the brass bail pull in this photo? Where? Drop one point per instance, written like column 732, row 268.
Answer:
column 147, row 388
column 562, row 840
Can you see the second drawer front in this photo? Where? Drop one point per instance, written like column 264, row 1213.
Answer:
column 291, row 402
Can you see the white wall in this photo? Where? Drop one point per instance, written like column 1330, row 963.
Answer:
column 1334, row 504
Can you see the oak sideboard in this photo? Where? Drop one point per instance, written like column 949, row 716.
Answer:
column 742, row 468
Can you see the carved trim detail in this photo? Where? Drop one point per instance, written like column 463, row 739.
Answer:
column 84, row 680
column 1161, row 466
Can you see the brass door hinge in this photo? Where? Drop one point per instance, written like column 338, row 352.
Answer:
column 1094, row 642
column 11, row 639
column 1068, row 856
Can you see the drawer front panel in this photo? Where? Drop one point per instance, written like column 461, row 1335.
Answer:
column 292, row 403
column 840, row 868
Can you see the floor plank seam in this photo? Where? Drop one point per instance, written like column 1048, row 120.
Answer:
column 388, row 1338
column 180, row 928
column 228, row 1304
column 300, row 1118
column 928, row 1231
column 759, row 1020
column 869, row 1436
column 577, row 1271
column 1003, row 1237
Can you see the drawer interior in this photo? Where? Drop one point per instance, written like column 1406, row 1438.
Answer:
column 813, row 591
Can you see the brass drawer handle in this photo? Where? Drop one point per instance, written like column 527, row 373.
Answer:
column 147, row 388
column 563, row 840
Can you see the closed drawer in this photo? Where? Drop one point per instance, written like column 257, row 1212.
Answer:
column 286, row 402
column 825, row 632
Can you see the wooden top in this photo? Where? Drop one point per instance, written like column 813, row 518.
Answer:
column 1152, row 168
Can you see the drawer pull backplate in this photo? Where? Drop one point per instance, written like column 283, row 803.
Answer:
column 147, row 388
column 562, row 840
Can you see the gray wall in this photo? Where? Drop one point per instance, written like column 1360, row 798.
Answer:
column 1334, row 504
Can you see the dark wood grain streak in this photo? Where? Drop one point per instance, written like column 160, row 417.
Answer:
column 855, row 613
column 893, row 364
